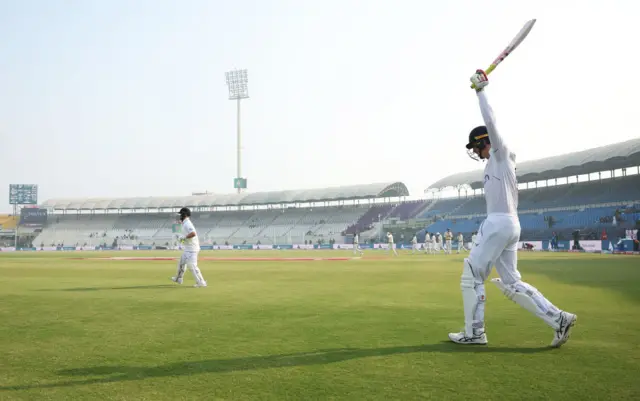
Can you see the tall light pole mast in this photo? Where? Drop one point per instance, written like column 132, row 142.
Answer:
column 238, row 83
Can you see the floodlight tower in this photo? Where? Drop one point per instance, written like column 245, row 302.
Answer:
column 237, row 81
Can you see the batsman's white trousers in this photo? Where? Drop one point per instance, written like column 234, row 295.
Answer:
column 189, row 257
column 189, row 260
column 496, row 244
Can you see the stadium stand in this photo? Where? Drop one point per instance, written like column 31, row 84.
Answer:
column 8, row 222
column 321, row 215
column 408, row 210
column 266, row 217
column 366, row 222
column 587, row 206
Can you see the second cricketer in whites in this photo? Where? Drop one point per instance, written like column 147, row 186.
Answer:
column 460, row 242
column 427, row 243
column 392, row 246
column 498, row 237
column 448, row 237
column 189, row 258
column 437, row 243
column 356, row 245
column 414, row 244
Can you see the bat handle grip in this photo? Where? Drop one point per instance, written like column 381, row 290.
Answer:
column 488, row 71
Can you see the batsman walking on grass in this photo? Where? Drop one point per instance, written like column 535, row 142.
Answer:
column 498, row 236
column 189, row 258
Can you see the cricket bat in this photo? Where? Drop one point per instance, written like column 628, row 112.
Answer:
column 512, row 46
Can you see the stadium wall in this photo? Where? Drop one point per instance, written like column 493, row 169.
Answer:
column 604, row 246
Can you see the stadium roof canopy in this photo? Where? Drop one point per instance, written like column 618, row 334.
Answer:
column 604, row 158
column 352, row 192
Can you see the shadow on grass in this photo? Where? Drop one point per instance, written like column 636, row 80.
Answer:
column 112, row 374
column 135, row 287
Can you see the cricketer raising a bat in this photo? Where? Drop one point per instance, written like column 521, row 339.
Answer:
column 514, row 43
column 498, row 236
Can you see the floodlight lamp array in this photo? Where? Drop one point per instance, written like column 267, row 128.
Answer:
column 238, row 83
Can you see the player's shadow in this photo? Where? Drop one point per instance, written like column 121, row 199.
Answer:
column 134, row 287
column 112, row 374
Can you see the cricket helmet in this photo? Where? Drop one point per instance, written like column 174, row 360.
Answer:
column 184, row 213
column 478, row 138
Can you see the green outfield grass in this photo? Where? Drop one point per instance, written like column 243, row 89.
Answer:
column 368, row 329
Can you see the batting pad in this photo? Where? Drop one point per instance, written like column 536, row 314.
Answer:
column 528, row 297
column 181, row 269
column 473, row 298
column 197, row 275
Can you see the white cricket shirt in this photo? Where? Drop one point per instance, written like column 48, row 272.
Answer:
column 390, row 238
column 356, row 239
column 190, row 244
column 500, row 183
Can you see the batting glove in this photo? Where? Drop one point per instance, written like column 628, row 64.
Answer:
column 479, row 80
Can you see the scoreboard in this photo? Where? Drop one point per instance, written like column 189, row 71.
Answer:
column 23, row 194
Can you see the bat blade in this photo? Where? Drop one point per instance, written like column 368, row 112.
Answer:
column 515, row 42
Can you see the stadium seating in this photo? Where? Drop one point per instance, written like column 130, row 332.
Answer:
column 443, row 207
column 218, row 227
column 8, row 222
column 365, row 222
column 588, row 207
column 267, row 226
column 408, row 210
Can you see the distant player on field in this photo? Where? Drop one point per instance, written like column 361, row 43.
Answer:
column 448, row 236
column 427, row 242
column 437, row 243
column 356, row 245
column 460, row 242
column 392, row 246
column 498, row 237
column 414, row 244
column 189, row 258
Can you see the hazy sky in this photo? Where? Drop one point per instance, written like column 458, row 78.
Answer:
column 128, row 97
